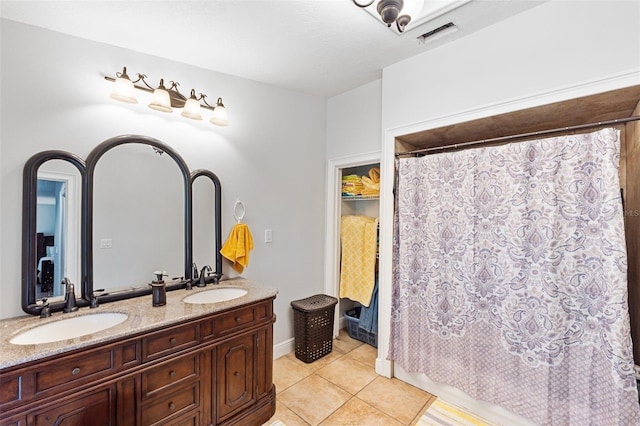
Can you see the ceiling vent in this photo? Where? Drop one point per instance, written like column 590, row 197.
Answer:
column 437, row 33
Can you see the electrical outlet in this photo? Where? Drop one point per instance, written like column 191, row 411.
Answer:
column 268, row 235
column 106, row 243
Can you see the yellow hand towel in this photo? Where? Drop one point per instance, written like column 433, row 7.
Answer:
column 359, row 246
column 238, row 246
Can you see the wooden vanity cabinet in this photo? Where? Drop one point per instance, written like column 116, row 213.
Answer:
column 216, row 369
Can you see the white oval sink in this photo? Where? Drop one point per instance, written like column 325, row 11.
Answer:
column 215, row 295
column 69, row 328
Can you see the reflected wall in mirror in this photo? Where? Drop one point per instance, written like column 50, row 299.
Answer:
column 138, row 218
column 51, row 228
column 207, row 221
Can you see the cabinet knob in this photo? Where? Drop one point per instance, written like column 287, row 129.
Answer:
column 237, row 374
column 172, row 374
column 172, row 406
column 172, row 341
column 238, row 319
column 75, row 371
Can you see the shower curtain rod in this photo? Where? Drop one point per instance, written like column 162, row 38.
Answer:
column 523, row 135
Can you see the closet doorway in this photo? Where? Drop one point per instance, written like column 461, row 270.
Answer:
column 337, row 206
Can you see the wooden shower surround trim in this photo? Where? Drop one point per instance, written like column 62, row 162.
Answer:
column 588, row 109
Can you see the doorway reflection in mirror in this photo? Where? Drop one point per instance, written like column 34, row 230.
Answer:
column 54, row 232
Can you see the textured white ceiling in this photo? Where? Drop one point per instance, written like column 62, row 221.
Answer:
column 321, row 47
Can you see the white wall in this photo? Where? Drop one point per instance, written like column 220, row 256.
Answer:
column 557, row 44
column 354, row 121
column 271, row 156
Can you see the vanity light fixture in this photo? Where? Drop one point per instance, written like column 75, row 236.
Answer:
column 165, row 99
column 399, row 11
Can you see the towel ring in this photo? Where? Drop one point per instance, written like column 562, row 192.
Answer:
column 239, row 216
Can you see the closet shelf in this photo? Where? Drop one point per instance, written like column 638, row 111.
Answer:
column 360, row 197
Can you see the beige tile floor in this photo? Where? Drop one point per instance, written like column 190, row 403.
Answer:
column 342, row 388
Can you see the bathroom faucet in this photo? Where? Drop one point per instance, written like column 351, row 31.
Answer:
column 194, row 277
column 203, row 275
column 70, row 304
column 194, row 274
column 45, row 312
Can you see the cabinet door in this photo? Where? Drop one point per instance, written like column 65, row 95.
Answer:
column 235, row 368
column 94, row 408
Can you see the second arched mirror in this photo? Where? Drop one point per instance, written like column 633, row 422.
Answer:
column 139, row 216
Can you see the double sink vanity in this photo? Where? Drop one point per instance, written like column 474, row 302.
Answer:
column 202, row 354
column 203, row 358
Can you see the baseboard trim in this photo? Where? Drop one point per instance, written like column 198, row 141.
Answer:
column 284, row 348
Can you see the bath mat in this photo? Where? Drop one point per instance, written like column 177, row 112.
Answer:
column 440, row 414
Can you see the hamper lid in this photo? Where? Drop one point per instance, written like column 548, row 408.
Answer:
column 313, row 303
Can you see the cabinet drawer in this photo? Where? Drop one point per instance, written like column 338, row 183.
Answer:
column 172, row 405
column 170, row 341
column 74, row 369
column 234, row 321
column 65, row 373
column 169, row 374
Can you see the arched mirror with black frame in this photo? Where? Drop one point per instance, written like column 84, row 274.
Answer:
column 132, row 193
column 52, row 211
column 207, row 202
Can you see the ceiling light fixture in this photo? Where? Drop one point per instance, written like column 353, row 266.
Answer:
column 165, row 100
column 391, row 11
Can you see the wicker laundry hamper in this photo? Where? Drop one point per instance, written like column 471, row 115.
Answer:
column 313, row 326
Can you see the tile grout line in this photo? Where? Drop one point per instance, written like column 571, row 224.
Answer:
column 360, row 359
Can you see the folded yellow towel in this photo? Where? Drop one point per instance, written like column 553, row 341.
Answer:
column 238, row 246
column 358, row 235
column 370, row 191
column 374, row 174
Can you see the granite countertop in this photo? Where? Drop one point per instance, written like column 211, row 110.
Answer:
column 141, row 317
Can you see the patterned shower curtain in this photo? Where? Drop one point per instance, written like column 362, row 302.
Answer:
column 510, row 278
